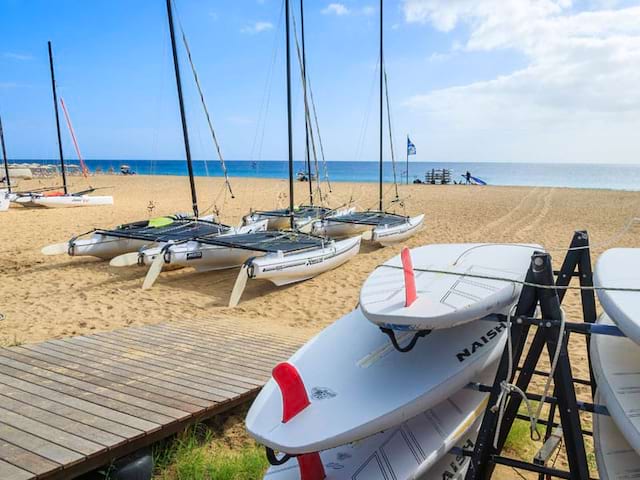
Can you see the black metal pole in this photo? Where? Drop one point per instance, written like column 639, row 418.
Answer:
column 289, row 120
column 4, row 157
column 55, row 106
column 381, row 107
column 306, row 104
column 183, row 118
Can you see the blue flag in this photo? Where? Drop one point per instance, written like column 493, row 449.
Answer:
column 411, row 148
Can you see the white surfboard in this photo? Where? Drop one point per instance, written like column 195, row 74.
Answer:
column 616, row 366
column 446, row 300
column 620, row 268
column 359, row 385
column 615, row 458
column 408, row 451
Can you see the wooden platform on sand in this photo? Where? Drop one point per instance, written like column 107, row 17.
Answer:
column 72, row 405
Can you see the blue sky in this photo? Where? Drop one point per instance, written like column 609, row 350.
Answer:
column 467, row 80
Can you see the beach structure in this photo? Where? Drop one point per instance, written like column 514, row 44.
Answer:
column 53, row 198
column 280, row 256
column 438, row 176
column 379, row 226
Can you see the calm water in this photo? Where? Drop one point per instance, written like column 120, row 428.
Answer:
column 619, row 177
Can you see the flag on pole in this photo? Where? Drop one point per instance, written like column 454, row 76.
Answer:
column 411, row 148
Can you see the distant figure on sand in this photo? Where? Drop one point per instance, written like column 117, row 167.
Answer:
column 467, row 176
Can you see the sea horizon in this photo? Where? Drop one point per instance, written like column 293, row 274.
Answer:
column 569, row 175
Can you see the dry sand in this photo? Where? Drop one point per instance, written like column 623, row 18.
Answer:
column 50, row 297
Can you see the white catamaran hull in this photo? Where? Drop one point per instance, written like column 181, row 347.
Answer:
column 285, row 269
column 203, row 257
column 387, row 236
column 327, row 228
column 64, row 201
column 4, row 201
column 283, row 223
column 105, row 246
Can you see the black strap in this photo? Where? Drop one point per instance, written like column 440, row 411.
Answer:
column 273, row 460
column 409, row 346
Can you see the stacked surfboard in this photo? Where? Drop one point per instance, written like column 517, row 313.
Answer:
column 350, row 405
column 616, row 365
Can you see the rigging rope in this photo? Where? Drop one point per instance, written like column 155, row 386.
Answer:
column 303, row 78
column 206, row 110
column 393, row 155
column 85, row 170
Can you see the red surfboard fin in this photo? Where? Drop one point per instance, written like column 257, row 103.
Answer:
column 410, row 294
column 294, row 394
column 311, row 467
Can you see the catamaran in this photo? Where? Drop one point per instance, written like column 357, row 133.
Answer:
column 55, row 198
column 129, row 238
column 379, row 226
column 283, row 257
column 304, row 214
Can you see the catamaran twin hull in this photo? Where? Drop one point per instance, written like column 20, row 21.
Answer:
column 64, row 201
column 279, row 267
column 385, row 229
column 107, row 244
column 4, row 201
column 281, row 220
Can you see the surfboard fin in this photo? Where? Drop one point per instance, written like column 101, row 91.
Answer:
column 410, row 293
column 292, row 389
column 311, row 467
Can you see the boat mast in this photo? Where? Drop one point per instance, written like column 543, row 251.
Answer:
column 183, row 118
column 4, row 157
column 289, row 126
column 55, row 106
column 381, row 70
column 306, row 105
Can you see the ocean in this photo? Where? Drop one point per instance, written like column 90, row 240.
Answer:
column 610, row 176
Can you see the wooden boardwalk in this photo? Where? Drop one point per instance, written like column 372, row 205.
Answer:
column 72, row 405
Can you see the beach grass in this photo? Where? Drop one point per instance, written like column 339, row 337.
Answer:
column 217, row 450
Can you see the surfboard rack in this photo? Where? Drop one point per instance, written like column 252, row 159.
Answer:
column 553, row 334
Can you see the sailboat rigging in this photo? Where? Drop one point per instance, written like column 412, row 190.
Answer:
column 380, row 226
column 304, row 214
column 129, row 238
column 57, row 199
column 280, row 256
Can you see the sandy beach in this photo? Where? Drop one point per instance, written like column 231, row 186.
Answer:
column 52, row 297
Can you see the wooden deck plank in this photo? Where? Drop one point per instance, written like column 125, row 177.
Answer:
column 150, row 419
column 156, row 362
column 11, row 472
column 120, row 423
column 120, row 384
column 178, row 376
column 60, row 437
column 145, row 408
column 99, row 369
column 165, row 358
column 39, row 446
column 71, row 405
column 88, row 432
column 264, row 343
column 25, row 459
column 196, row 355
column 203, row 343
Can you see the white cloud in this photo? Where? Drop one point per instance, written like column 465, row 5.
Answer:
column 336, row 9
column 368, row 10
column 579, row 85
column 257, row 27
column 17, row 56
